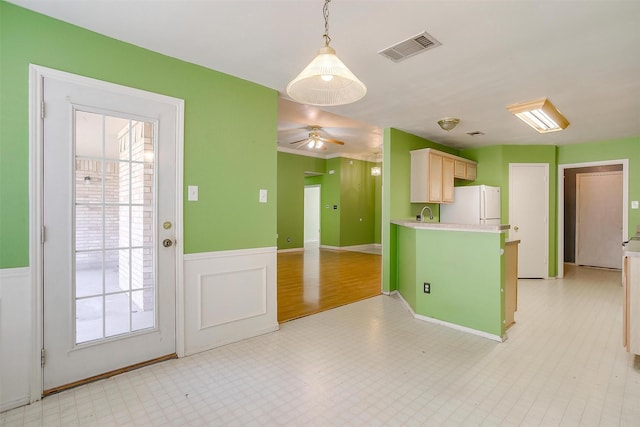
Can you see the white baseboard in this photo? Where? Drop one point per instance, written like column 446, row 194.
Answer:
column 354, row 248
column 290, row 250
column 466, row 329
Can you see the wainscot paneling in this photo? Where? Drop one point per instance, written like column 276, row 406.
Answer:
column 229, row 296
column 15, row 337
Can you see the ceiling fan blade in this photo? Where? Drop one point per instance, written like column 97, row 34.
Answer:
column 300, row 140
column 333, row 141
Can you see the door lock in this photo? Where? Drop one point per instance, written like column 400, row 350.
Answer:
column 167, row 243
column 516, row 228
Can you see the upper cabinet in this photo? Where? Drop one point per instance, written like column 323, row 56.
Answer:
column 433, row 173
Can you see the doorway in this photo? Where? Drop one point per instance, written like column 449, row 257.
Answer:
column 567, row 204
column 311, row 215
column 108, row 216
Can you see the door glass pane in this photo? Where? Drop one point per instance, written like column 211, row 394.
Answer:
column 114, row 226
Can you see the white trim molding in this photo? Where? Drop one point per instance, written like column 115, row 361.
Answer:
column 466, row 329
column 560, row 215
column 15, row 337
column 229, row 296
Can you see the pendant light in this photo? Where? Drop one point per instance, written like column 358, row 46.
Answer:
column 326, row 81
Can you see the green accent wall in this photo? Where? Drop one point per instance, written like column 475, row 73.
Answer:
column 345, row 183
column 227, row 159
column 357, row 202
column 396, row 196
column 465, row 271
column 291, row 182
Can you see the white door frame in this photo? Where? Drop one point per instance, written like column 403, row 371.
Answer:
column 36, row 161
column 560, row 216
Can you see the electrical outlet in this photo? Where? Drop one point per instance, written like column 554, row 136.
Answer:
column 427, row 287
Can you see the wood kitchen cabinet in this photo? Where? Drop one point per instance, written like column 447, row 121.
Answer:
column 631, row 303
column 433, row 173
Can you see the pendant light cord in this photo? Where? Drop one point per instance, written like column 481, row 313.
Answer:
column 325, row 12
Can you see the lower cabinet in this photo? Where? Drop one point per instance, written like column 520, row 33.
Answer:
column 510, row 281
column 631, row 304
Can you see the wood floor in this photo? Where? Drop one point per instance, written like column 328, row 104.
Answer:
column 320, row 279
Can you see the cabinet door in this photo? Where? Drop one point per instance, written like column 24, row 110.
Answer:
column 471, row 171
column 448, row 167
column 460, row 169
column 625, row 302
column 435, row 178
column 419, row 176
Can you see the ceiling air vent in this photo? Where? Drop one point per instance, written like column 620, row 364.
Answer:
column 411, row 46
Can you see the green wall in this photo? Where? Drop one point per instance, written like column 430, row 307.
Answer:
column 357, row 197
column 291, row 181
column 227, row 159
column 465, row 271
column 345, row 183
column 396, row 196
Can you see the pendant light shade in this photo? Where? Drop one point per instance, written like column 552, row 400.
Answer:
column 326, row 81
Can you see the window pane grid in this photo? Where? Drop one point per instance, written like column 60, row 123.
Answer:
column 115, row 275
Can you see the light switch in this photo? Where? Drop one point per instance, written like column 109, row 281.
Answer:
column 634, row 204
column 263, row 196
column 192, row 193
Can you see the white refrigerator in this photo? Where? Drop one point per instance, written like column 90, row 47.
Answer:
column 474, row 204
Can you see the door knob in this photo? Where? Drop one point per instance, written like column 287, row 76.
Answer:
column 167, row 243
column 516, row 228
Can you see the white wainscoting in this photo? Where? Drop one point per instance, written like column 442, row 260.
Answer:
column 229, row 296
column 15, row 337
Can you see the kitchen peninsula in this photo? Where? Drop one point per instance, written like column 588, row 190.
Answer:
column 464, row 267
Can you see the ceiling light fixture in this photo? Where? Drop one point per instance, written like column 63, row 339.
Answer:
column 448, row 123
column 326, row 81
column 540, row 115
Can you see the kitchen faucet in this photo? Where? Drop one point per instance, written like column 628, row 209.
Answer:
column 422, row 213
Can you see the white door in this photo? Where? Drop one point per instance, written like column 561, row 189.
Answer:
column 109, row 201
column 528, row 217
column 599, row 219
column 312, row 214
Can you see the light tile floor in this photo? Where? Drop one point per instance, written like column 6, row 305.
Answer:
column 371, row 363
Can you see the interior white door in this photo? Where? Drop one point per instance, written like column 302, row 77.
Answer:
column 312, row 214
column 528, row 217
column 599, row 219
column 109, row 202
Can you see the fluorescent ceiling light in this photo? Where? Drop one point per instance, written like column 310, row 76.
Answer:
column 540, row 115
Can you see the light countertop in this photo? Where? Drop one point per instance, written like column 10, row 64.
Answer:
column 485, row 228
column 632, row 248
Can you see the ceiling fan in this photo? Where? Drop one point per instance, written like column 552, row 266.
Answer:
column 315, row 140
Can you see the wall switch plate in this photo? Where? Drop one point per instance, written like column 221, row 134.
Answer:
column 192, row 193
column 634, row 204
column 263, row 196
column 427, row 287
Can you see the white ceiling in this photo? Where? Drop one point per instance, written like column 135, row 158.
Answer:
column 583, row 55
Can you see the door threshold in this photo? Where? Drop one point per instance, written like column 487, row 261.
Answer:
column 109, row 374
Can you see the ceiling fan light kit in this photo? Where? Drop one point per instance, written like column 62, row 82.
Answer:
column 326, row 81
column 448, row 123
